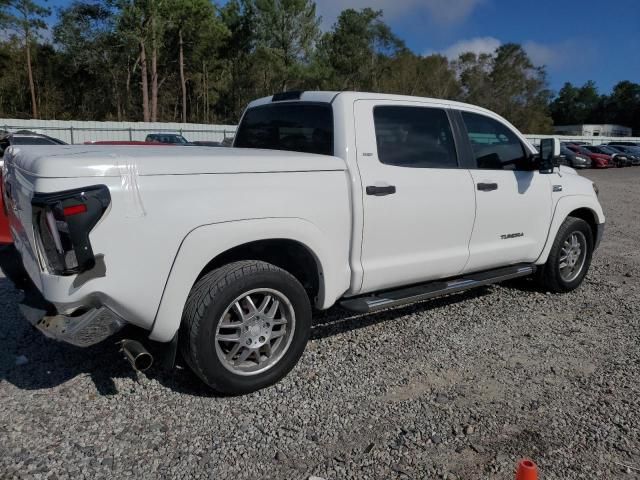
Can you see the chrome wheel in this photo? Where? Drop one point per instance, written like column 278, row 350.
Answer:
column 255, row 331
column 572, row 256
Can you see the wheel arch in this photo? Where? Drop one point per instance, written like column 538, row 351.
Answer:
column 588, row 216
column 290, row 255
column 580, row 206
column 292, row 244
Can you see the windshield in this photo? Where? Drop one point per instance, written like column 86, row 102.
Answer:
column 297, row 126
column 565, row 151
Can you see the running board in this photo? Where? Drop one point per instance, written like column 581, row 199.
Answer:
column 425, row 291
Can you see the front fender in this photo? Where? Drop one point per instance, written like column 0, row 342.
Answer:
column 206, row 242
column 563, row 209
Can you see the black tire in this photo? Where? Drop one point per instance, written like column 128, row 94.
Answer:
column 208, row 301
column 549, row 275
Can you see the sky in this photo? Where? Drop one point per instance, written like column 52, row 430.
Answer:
column 577, row 40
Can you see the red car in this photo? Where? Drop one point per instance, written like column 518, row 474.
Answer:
column 598, row 160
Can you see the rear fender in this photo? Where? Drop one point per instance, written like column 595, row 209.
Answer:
column 205, row 243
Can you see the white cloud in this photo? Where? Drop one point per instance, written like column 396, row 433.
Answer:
column 441, row 11
column 542, row 54
column 571, row 53
column 476, row 45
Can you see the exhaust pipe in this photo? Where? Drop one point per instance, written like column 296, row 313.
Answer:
column 138, row 356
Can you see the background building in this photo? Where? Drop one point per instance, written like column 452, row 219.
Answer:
column 593, row 130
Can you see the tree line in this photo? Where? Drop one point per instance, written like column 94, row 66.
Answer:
column 195, row 61
column 576, row 105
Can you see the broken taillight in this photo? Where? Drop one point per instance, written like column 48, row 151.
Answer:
column 62, row 222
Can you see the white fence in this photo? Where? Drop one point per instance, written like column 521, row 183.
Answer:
column 81, row 132
column 591, row 140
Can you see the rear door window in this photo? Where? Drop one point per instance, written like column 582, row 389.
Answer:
column 417, row 137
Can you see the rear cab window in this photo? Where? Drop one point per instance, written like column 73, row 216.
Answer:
column 293, row 126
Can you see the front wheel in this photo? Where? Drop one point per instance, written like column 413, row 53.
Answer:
column 570, row 257
column 245, row 326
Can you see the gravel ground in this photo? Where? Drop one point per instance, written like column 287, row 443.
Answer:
column 459, row 387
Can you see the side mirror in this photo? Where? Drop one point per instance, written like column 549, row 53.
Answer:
column 549, row 152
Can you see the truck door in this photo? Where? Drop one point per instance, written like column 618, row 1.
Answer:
column 513, row 199
column 419, row 204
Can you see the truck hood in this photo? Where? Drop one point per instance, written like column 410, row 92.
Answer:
column 566, row 169
column 74, row 161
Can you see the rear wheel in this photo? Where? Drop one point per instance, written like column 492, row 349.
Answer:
column 570, row 257
column 245, row 326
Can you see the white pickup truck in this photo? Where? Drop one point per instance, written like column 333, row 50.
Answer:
column 366, row 200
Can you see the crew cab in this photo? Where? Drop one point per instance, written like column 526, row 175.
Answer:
column 366, row 200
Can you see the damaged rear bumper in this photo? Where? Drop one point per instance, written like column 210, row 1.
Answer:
column 83, row 327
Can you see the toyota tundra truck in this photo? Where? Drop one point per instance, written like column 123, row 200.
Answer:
column 365, row 200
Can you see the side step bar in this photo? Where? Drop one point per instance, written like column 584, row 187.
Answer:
column 425, row 291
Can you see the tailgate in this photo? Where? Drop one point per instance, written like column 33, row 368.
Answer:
column 17, row 193
column 5, row 233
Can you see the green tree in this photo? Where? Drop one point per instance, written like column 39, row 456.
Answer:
column 519, row 89
column 26, row 18
column 143, row 23
column 430, row 76
column 357, row 49
column 199, row 33
column 286, row 34
column 95, row 57
column 508, row 83
column 239, row 17
column 474, row 71
column 624, row 103
column 564, row 107
column 577, row 105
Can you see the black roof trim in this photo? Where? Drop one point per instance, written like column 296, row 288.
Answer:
column 290, row 95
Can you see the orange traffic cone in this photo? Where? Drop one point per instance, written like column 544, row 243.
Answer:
column 527, row 470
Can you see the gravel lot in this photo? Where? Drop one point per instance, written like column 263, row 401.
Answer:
column 459, row 387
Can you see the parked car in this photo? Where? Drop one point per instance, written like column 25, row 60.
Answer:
column 628, row 144
column 172, row 138
column 367, row 200
column 572, row 159
column 632, row 152
column 598, row 160
column 619, row 159
column 26, row 137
